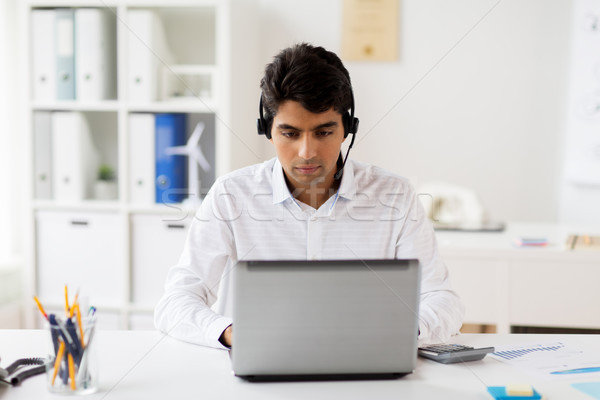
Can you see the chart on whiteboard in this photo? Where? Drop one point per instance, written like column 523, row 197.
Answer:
column 582, row 140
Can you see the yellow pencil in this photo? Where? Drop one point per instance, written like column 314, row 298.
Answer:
column 66, row 301
column 79, row 323
column 40, row 307
column 72, row 372
column 59, row 356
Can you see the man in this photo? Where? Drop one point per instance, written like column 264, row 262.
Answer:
column 306, row 204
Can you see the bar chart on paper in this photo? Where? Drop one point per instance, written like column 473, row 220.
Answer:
column 552, row 360
column 517, row 352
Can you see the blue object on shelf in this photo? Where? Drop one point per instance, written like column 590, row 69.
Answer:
column 171, row 170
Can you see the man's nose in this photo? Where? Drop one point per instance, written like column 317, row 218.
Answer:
column 307, row 148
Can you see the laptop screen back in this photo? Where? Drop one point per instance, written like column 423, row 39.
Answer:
column 325, row 317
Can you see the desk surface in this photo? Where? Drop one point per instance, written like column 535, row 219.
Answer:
column 149, row 365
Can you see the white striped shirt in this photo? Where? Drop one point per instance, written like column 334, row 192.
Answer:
column 250, row 214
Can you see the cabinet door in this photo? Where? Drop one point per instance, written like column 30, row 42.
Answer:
column 84, row 251
column 157, row 242
column 553, row 293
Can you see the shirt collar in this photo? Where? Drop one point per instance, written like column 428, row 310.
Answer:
column 347, row 188
column 280, row 189
column 281, row 192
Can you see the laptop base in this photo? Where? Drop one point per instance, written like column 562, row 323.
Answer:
column 323, row 377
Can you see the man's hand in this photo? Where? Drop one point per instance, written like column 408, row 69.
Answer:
column 226, row 337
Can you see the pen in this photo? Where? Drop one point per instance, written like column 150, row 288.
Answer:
column 62, row 331
column 70, row 326
column 576, row 371
column 54, row 335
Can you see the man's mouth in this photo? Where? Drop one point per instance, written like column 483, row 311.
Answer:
column 307, row 169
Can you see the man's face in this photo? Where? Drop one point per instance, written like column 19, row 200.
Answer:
column 307, row 144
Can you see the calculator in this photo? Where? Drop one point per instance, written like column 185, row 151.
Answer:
column 451, row 353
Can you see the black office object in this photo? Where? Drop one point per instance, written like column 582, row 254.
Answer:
column 452, row 353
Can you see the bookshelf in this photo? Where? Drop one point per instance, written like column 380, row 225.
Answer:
column 204, row 64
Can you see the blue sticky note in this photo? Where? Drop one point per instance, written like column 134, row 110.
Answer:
column 499, row 393
column 589, row 388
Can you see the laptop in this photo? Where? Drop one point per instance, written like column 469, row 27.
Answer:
column 343, row 319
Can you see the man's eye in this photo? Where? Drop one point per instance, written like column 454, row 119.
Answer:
column 324, row 133
column 288, row 134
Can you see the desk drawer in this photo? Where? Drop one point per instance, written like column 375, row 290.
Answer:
column 157, row 242
column 84, row 251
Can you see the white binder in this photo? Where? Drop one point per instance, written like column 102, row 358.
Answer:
column 65, row 54
column 141, row 159
column 95, row 49
column 147, row 51
column 42, row 154
column 43, row 54
column 75, row 159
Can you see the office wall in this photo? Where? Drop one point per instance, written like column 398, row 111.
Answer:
column 476, row 97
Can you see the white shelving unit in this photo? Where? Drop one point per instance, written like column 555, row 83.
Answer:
column 115, row 251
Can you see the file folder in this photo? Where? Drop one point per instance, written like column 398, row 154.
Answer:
column 43, row 54
column 141, row 159
column 42, row 154
column 147, row 51
column 95, row 50
column 75, row 159
column 171, row 170
column 65, row 54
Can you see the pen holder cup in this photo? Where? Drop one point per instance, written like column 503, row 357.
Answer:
column 72, row 366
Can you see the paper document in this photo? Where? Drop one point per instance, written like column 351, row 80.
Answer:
column 552, row 360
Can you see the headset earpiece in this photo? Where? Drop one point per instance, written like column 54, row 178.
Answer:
column 263, row 127
column 350, row 124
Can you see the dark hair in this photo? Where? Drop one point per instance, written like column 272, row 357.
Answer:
column 312, row 76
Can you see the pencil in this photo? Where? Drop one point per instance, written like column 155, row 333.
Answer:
column 40, row 307
column 79, row 324
column 59, row 356
column 74, row 302
column 66, row 301
column 72, row 372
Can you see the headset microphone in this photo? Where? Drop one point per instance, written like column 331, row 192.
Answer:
column 341, row 170
column 350, row 126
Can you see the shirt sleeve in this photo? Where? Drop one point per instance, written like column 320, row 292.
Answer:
column 440, row 310
column 191, row 288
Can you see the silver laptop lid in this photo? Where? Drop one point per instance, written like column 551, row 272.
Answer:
column 325, row 317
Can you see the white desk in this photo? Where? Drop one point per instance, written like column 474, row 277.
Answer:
column 148, row 365
column 504, row 285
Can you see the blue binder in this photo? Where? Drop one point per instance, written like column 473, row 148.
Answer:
column 65, row 53
column 171, row 170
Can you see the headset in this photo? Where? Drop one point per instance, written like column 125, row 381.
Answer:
column 350, row 122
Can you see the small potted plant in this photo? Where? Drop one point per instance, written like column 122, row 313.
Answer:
column 106, row 185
